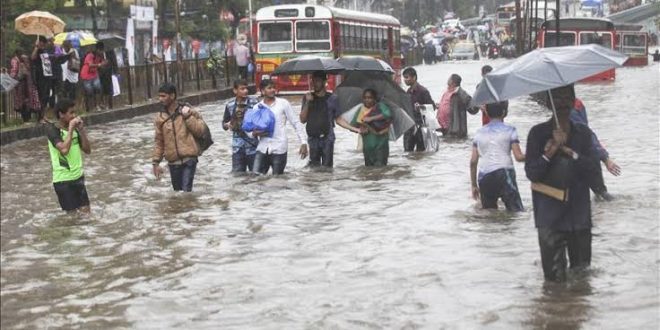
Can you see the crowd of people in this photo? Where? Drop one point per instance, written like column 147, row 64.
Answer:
column 563, row 144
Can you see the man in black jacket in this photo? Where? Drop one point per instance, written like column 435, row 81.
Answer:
column 562, row 224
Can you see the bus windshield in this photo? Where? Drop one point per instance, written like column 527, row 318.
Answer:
column 565, row 39
column 603, row 39
column 313, row 36
column 275, row 37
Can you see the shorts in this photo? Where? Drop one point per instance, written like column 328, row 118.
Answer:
column 92, row 86
column 72, row 195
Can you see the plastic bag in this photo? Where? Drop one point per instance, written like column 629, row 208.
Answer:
column 250, row 67
column 116, row 90
column 259, row 118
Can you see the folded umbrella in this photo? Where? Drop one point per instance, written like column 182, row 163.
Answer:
column 40, row 23
column 309, row 64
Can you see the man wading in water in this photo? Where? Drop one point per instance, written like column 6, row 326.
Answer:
column 563, row 225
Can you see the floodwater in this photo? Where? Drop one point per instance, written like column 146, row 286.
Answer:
column 402, row 247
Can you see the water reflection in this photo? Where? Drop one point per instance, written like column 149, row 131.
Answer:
column 562, row 305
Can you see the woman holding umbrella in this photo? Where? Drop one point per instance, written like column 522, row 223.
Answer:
column 373, row 120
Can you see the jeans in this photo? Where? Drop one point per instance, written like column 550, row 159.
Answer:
column 321, row 151
column 183, row 175
column 412, row 139
column 240, row 161
column 263, row 162
column 554, row 245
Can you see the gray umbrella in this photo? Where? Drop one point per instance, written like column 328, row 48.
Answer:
column 309, row 64
column 544, row 69
column 365, row 63
column 349, row 93
column 111, row 41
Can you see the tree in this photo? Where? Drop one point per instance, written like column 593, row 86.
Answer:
column 12, row 39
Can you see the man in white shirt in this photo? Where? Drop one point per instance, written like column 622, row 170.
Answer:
column 272, row 151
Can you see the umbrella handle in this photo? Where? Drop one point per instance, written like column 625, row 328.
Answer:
column 554, row 110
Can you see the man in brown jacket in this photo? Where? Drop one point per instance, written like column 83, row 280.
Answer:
column 177, row 125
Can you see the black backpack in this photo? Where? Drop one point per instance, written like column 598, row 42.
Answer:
column 318, row 123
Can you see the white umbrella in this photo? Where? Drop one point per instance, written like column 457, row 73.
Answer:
column 544, row 69
column 40, row 23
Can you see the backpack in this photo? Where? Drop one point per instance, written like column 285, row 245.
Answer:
column 318, row 123
column 205, row 140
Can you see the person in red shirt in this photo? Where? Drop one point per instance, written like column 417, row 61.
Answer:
column 90, row 77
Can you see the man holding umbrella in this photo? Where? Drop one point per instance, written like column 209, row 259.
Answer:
column 48, row 72
column 563, row 225
column 320, row 110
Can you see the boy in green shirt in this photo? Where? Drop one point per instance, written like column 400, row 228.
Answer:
column 66, row 139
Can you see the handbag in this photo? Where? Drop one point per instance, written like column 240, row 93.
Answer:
column 73, row 64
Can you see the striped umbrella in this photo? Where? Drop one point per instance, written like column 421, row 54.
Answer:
column 78, row 38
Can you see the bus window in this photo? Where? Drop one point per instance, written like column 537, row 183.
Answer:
column 374, row 38
column 344, row 36
column 362, row 37
column 275, row 37
column 603, row 39
column 565, row 39
column 397, row 41
column 312, row 36
column 354, row 37
column 634, row 44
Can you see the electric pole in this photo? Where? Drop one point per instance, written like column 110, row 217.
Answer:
column 179, row 52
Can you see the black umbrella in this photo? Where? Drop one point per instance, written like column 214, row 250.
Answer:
column 349, row 92
column 365, row 63
column 111, row 41
column 309, row 64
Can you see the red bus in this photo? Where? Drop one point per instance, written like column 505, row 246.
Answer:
column 286, row 31
column 580, row 31
column 632, row 41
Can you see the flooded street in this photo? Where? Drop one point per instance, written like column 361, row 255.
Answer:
column 402, row 247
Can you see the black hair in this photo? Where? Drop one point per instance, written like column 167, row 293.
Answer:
column 100, row 45
column 372, row 91
column 43, row 39
column 456, row 79
column 498, row 109
column 167, row 88
column 410, row 72
column 265, row 83
column 63, row 106
column 320, row 74
column 569, row 89
column 486, row 69
column 240, row 82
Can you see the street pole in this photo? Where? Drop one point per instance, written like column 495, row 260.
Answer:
column 558, row 6
column 179, row 53
column 519, row 40
column 250, row 20
column 95, row 28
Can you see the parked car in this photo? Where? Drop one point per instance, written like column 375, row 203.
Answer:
column 464, row 51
